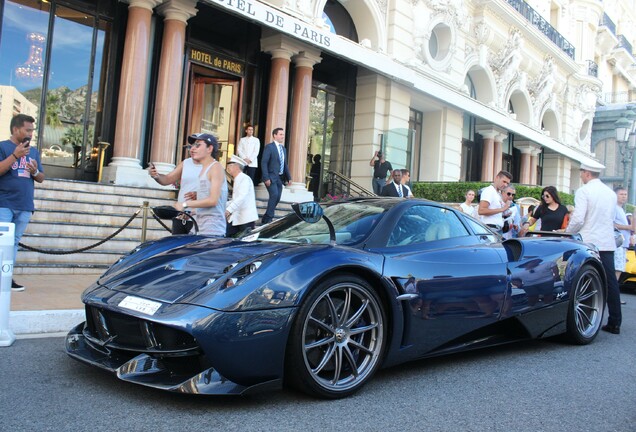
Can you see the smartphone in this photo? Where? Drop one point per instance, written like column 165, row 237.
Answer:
column 152, row 165
column 26, row 141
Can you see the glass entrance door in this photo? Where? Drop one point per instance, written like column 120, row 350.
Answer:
column 330, row 130
column 214, row 110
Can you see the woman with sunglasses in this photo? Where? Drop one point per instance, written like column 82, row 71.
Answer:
column 553, row 214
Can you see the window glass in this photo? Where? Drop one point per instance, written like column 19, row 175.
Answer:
column 421, row 224
column 22, row 60
column 67, row 116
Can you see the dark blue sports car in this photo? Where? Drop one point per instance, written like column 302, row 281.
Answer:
column 321, row 301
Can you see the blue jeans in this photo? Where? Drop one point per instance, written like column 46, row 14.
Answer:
column 378, row 184
column 20, row 218
column 613, row 292
column 275, row 190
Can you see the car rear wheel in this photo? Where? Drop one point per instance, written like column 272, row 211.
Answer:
column 337, row 341
column 587, row 303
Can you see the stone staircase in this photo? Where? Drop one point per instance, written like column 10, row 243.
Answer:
column 71, row 215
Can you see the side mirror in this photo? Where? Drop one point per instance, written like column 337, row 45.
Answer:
column 310, row 212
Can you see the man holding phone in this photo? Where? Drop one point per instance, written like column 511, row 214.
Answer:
column 19, row 167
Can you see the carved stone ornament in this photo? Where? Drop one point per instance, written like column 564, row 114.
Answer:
column 586, row 97
column 505, row 64
column 451, row 10
column 542, row 87
column 482, row 32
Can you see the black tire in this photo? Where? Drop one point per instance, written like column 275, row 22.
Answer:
column 338, row 338
column 586, row 306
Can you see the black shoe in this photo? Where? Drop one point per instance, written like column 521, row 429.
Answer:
column 16, row 286
column 614, row 329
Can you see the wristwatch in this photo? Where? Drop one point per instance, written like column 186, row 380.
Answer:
column 37, row 171
column 185, row 205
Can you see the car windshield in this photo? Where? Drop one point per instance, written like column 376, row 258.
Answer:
column 353, row 222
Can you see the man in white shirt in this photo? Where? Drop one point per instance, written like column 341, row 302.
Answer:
column 248, row 148
column 240, row 212
column 593, row 219
column 491, row 205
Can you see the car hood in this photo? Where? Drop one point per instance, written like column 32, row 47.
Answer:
column 174, row 274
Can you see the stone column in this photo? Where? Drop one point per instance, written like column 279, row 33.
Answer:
column 125, row 167
column 278, row 91
column 526, row 177
column 166, row 120
column 487, row 158
column 498, row 153
column 298, row 141
column 527, row 168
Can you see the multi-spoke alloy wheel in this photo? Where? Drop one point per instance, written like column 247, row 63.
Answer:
column 338, row 338
column 587, row 302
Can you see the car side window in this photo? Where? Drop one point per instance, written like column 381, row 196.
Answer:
column 423, row 223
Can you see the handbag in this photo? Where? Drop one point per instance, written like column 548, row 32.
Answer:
column 618, row 237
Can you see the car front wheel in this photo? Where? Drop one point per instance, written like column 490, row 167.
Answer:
column 585, row 310
column 337, row 342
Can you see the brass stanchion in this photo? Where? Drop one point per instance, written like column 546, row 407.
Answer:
column 144, row 221
column 102, row 148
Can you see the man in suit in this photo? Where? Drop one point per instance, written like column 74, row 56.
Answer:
column 275, row 171
column 395, row 188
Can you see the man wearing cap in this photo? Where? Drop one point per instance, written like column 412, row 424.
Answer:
column 248, row 148
column 241, row 211
column 593, row 219
column 275, row 171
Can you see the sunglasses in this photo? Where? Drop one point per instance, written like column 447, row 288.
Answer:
column 511, row 194
column 195, row 145
column 546, row 196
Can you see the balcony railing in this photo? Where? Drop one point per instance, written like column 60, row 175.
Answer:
column 607, row 22
column 339, row 185
column 624, row 43
column 544, row 26
column 619, row 97
column 592, row 69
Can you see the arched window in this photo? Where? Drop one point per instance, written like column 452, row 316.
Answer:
column 339, row 20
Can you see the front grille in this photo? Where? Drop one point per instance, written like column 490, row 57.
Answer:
column 131, row 333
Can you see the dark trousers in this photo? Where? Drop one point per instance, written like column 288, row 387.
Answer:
column 613, row 293
column 275, row 190
column 235, row 229
column 251, row 172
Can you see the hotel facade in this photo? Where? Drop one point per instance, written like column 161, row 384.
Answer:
column 451, row 90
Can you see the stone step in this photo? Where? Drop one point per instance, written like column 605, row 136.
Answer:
column 46, row 242
column 101, row 258
column 109, row 220
column 90, row 197
column 85, row 229
column 106, row 189
column 93, row 207
column 59, row 269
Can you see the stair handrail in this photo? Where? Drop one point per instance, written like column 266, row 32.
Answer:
column 341, row 185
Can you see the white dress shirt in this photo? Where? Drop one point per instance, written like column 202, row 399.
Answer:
column 594, row 212
column 248, row 148
column 243, row 204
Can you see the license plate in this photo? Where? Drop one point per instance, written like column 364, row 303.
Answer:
column 147, row 307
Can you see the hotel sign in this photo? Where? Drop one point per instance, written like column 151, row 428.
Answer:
column 216, row 61
column 271, row 17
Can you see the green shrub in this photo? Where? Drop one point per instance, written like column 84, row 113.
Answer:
column 456, row 191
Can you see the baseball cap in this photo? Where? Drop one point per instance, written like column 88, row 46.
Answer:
column 207, row 138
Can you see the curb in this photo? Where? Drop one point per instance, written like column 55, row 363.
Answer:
column 28, row 323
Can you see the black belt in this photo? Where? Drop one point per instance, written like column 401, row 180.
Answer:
column 378, row 177
column 494, row 226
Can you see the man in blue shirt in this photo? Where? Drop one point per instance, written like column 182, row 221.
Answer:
column 19, row 167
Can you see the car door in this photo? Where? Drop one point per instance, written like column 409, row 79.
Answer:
column 456, row 281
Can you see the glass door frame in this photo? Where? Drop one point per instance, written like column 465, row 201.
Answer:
column 197, row 74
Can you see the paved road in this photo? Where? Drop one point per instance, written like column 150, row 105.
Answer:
column 536, row 386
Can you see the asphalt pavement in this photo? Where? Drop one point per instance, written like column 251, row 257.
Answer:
column 535, row 386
